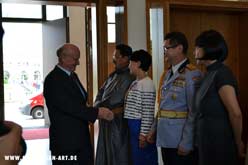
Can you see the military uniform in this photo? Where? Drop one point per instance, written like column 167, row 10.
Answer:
column 175, row 120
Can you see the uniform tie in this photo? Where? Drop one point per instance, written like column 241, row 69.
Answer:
column 171, row 74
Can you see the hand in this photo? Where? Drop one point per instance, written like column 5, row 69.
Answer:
column 150, row 138
column 105, row 113
column 10, row 143
column 181, row 151
column 142, row 141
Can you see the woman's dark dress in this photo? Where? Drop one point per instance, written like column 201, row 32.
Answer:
column 215, row 136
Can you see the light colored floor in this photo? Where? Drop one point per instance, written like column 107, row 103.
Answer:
column 37, row 153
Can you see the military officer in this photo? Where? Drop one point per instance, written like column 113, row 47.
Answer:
column 175, row 120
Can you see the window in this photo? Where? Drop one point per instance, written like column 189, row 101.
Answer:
column 54, row 12
column 111, row 24
column 21, row 11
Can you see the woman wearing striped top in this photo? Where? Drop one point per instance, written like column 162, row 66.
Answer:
column 139, row 109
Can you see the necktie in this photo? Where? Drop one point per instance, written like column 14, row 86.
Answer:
column 75, row 80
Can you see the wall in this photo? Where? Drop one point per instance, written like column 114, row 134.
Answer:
column 77, row 37
column 136, row 21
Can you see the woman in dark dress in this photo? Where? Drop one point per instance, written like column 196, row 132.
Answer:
column 219, row 122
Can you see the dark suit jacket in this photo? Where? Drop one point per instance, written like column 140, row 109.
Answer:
column 69, row 114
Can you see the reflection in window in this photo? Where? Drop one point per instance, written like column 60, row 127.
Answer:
column 111, row 33
column 111, row 14
column 111, row 24
column 21, row 11
column 54, row 12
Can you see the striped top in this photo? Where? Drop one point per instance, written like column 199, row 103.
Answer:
column 140, row 103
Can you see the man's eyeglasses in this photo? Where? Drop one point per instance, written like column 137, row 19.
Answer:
column 166, row 48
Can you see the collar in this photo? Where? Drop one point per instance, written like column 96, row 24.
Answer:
column 121, row 70
column 176, row 67
column 63, row 69
column 214, row 66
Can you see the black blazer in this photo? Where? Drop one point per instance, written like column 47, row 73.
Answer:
column 69, row 114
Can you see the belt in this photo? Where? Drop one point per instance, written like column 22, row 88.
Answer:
column 163, row 113
column 118, row 110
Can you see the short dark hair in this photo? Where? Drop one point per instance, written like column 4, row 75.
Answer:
column 125, row 50
column 143, row 57
column 213, row 45
column 178, row 38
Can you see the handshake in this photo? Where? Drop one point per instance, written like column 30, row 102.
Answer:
column 105, row 113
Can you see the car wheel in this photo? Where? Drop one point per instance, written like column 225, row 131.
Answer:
column 38, row 113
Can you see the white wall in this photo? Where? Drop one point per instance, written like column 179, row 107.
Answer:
column 77, row 37
column 136, row 15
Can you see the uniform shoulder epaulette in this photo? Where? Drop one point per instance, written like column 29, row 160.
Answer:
column 191, row 67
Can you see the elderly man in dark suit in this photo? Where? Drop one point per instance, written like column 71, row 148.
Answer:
column 69, row 114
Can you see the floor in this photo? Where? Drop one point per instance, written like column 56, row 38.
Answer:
column 38, row 152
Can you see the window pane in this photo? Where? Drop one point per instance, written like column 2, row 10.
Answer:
column 23, row 68
column 111, row 33
column 22, row 49
column 111, row 14
column 54, row 12
column 21, row 11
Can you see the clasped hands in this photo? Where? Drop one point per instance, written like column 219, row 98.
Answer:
column 105, row 113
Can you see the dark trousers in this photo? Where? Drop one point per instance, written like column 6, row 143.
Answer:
column 71, row 158
column 170, row 157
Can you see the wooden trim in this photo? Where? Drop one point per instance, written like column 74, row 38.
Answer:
column 102, row 55
column 125, row 39
column 203, row 4
column 148, row 30
column 89, row 60
column 89, row 68
column 148, row 34
column 227, row 5
column 167, row 18
column 167, row 28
